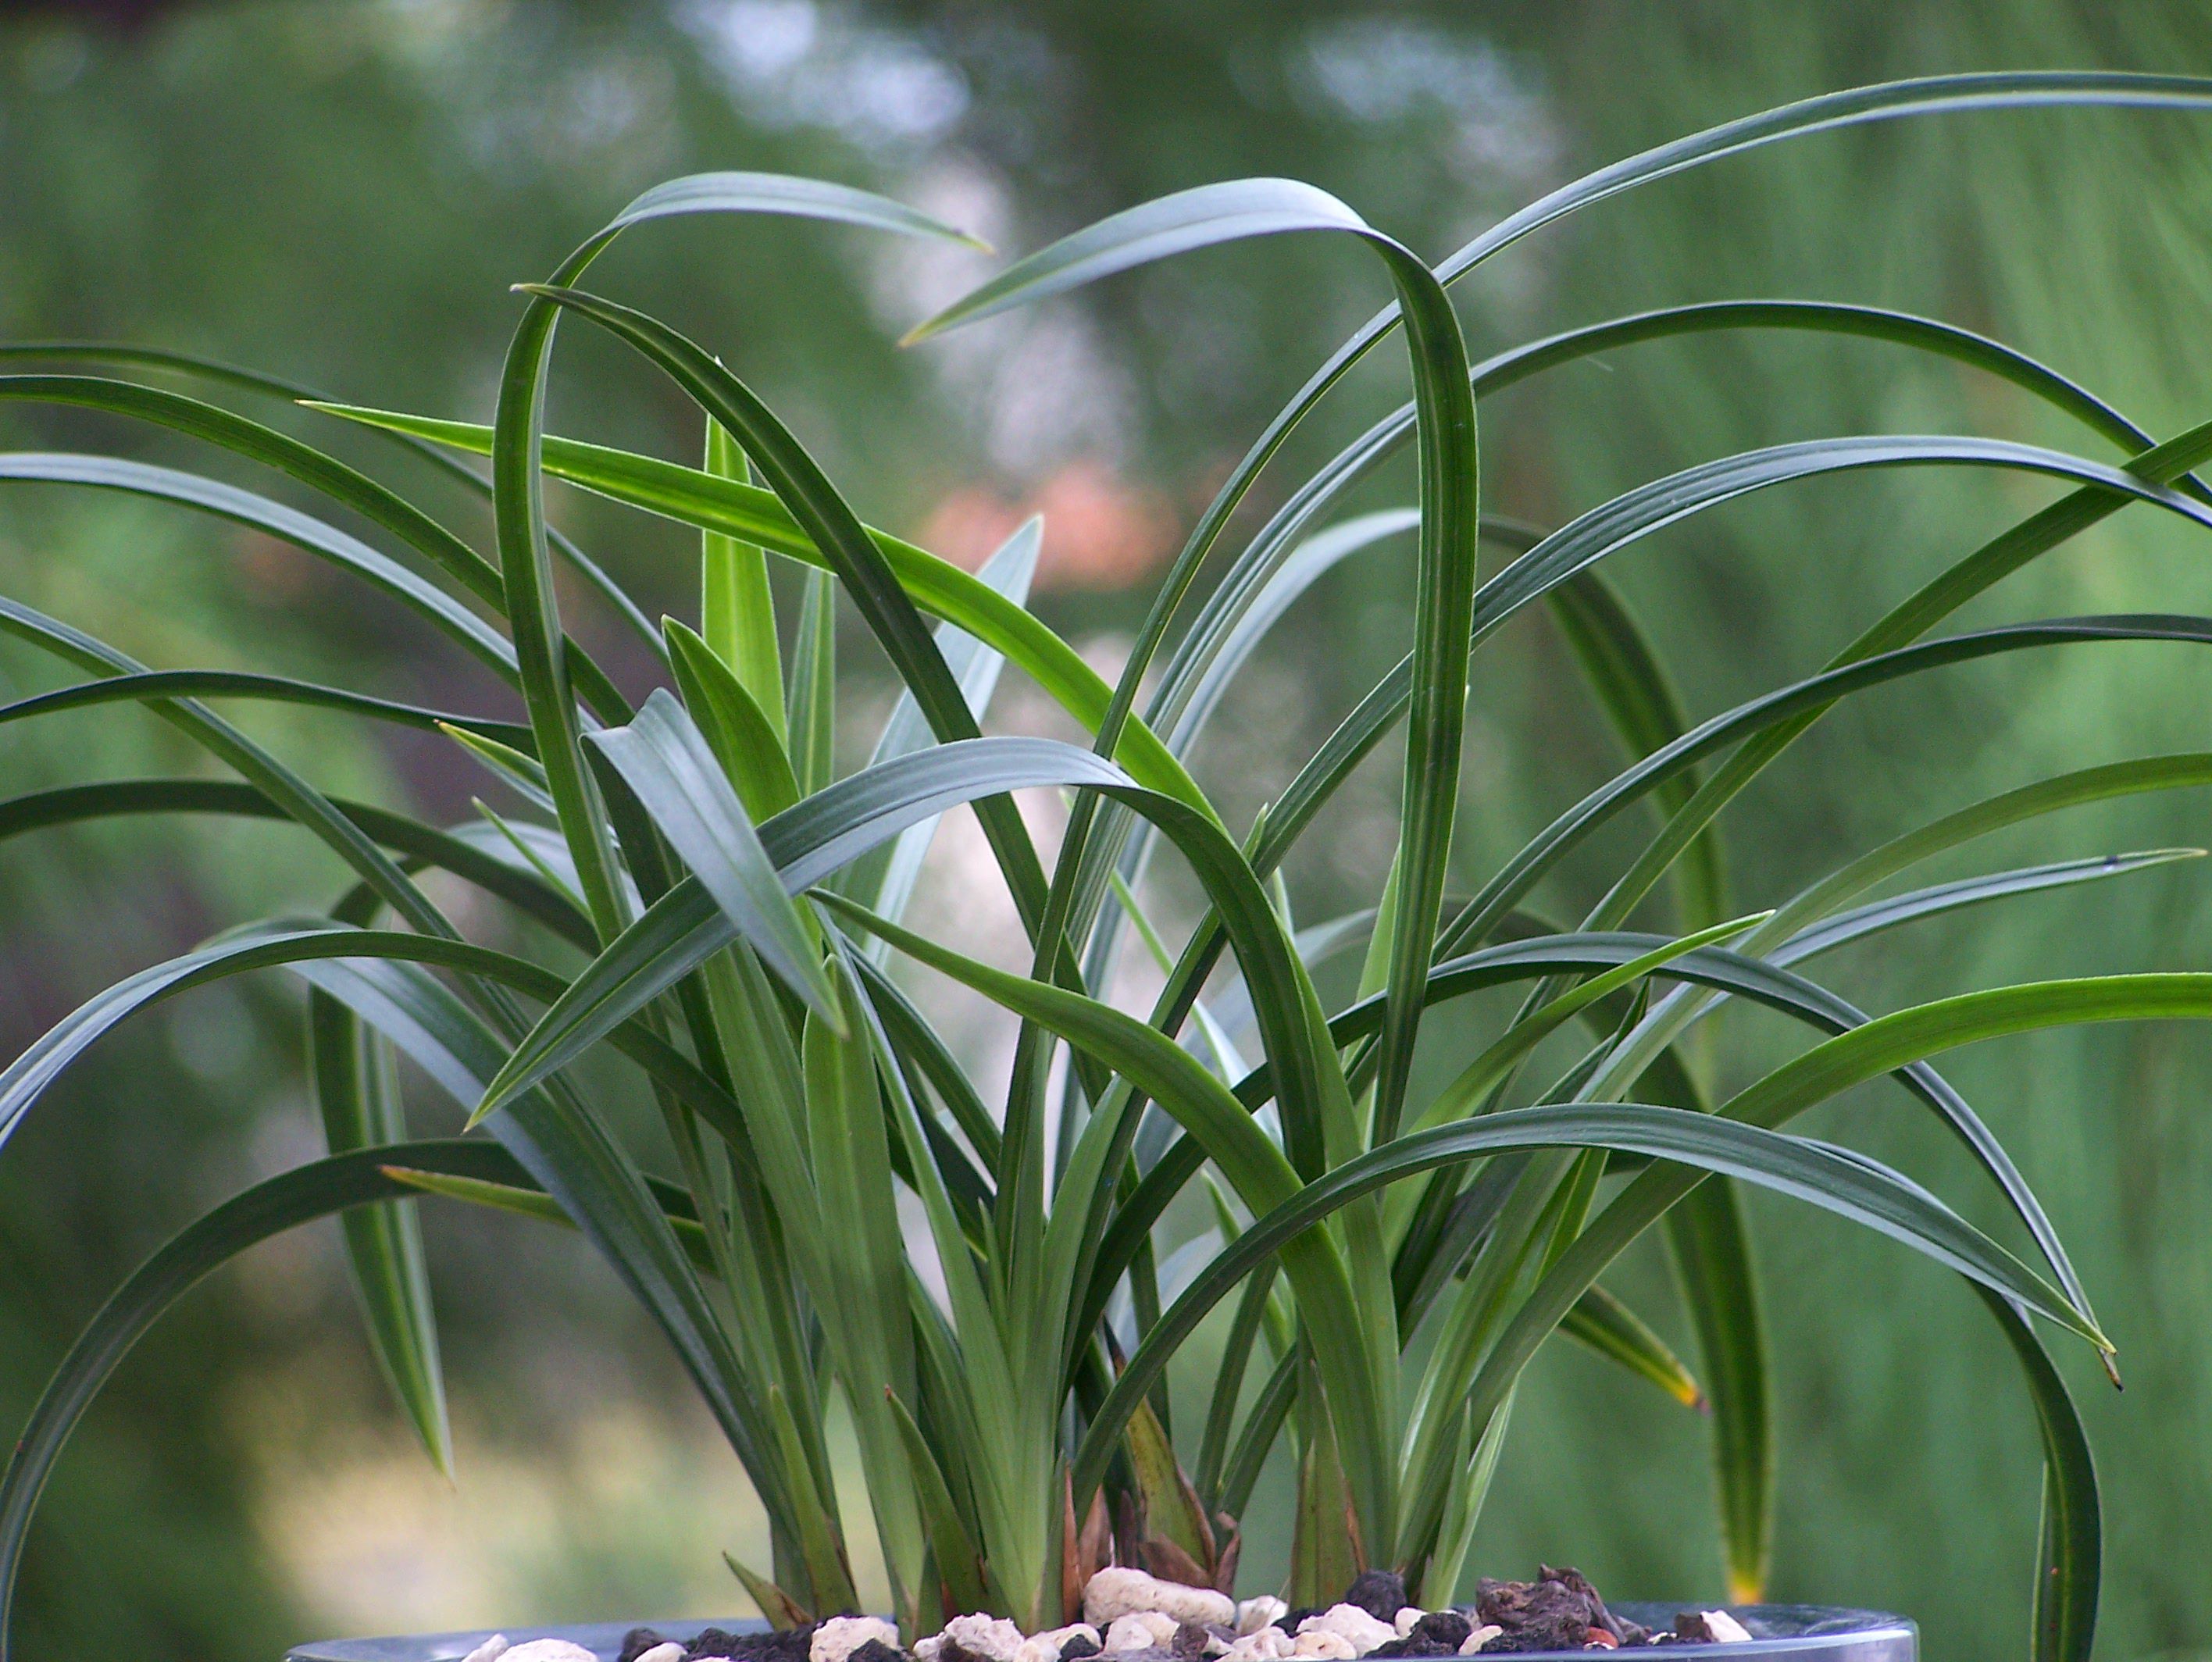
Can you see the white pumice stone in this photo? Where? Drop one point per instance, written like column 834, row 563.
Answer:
column 1201, row 1607
column 490, row 1651
column 925, row 1650
column 1325, row 1643
column 1118, row 1591
column 1359, row 1629
column 1725, row 1628
column 1482, row 1637
column 546, row 1650
column 1140, row 1631
column 1045, row 1647
column 1408, row 1616
column 1265, row 1611
column 670, row 1652
column 1265, row 1644
column 992, row 1636
column 841, row 1636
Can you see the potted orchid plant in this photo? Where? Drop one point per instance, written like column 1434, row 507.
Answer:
column 984, row 1274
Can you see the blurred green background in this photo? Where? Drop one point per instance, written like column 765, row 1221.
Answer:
column 341, row 193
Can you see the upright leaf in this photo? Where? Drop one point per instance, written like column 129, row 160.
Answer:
column 737, row 607
column 675, row 774
column 357, row 1090
column 813, row 720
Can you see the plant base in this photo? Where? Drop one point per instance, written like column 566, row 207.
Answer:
column 1803, row 1633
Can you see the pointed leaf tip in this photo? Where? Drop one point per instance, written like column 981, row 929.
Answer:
column 1198, row 218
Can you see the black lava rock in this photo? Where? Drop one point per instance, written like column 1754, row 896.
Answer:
column 791, row 1644
column 1380, row 1593
column 1576, row 1581
column 1536, row 1616
column 1447, row 1627
column 1289, row 1620
column 636, row 1642
column 874, row 1650
column 1188, row 1644
column 1440, row 1632
column 1076, row 1647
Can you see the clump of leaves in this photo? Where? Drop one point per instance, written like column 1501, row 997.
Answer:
column 722, row 909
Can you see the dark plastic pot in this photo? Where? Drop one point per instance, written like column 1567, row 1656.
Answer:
column 1803, row 1633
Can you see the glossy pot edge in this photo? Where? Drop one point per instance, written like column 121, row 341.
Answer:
column 1803, row 1633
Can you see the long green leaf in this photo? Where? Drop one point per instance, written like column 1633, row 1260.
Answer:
column 1262, row 1176
column 1631, row 686
column 304, row 943
column 311, row 467
column 1937, row 899
column 287, row 524
column 1443, row 612
column 1879, row 1046
column 217, row 373
column 807, row 842
column 1893, row 100
column 1711, row 1248
column 1616, row 1332
column 857, row 562
column 1780, row 710
column 575, row 1158
column 737, row 728
column 358, row 1095
column 418, row 844
column 1850, row 1187
column 938, row 587
column 518, row 484
column 886, row 879
column 269, row 1208
column 667, row 761
column 810, row 714
column 283, row 787
column 1933, row 95
column 870, row 1330
column 149, row 684
column 737, row 607
column 1918, row 612
column 2069, row 1558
